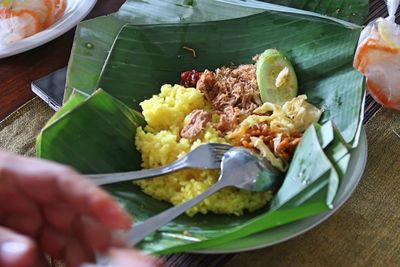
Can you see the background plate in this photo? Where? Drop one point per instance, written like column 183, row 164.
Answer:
column 288, row 231
column 76, row 11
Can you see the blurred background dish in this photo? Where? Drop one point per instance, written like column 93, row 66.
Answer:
column 37, row 22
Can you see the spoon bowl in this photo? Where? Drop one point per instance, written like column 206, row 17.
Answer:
column 245, row 170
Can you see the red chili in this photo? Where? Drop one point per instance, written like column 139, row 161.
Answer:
column 190, row 78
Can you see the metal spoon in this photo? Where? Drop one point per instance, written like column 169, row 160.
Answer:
column 239, row 168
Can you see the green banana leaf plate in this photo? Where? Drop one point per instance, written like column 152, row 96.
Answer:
column 288, row 231
column 131, row 53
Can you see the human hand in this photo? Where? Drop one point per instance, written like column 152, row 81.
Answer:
column 128, row 258
column 52, row 208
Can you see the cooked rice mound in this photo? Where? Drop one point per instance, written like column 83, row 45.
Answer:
column 160, row 143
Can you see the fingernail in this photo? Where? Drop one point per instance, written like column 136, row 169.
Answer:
column 112, row 214
column 120, row 239
column 11, row 251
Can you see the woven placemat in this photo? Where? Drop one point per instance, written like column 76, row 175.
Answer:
column 19, row 130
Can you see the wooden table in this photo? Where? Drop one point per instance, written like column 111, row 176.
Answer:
column 17, row 72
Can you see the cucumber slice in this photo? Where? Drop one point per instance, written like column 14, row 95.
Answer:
column 276, row 78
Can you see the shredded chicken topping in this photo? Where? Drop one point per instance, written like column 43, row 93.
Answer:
column 195, row 124
column 232, row 92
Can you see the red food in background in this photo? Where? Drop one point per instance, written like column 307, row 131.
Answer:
column 190, row 78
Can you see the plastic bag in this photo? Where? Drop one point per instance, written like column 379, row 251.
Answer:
column 378, row 58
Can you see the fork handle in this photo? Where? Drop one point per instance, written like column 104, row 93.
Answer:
column 109, row 178
column 139, row 232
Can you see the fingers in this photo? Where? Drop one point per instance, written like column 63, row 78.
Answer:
column 88, row 236
column 25, row 223
column 16, row 250
column 15, row 208
column 68, row 215
column 48, row 183
column 66, row 248
column 37, row 180
column 53, row 242
column 91, row 200
column 93, row 234
column 129, row 258
column 76, row 254
column 59, row 216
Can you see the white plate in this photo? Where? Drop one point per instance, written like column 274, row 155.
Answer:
column 288, row 231
column 76, row 11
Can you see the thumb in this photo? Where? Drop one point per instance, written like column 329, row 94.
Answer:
column 16, row 250
column 129, row 258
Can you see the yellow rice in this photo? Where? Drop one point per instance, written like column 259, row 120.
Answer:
column 160, row 143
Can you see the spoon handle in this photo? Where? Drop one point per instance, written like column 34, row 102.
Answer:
column 139, row 232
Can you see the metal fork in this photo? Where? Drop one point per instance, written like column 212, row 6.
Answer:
column 206, row 156
column 239, row 168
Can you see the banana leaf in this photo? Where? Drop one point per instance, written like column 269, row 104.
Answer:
column 101, row 129
column 156, row 54
column 353, row 11
column 115, row 152
column 95, row 37
column 94, row 131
